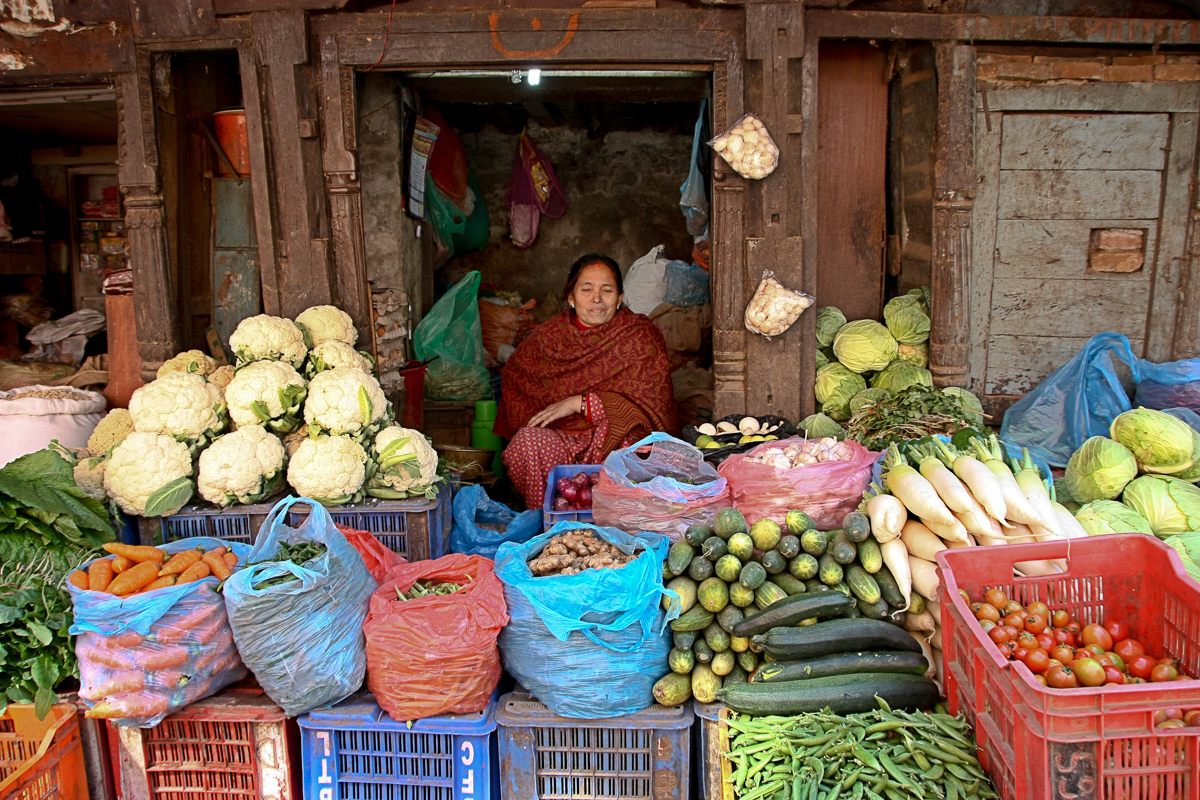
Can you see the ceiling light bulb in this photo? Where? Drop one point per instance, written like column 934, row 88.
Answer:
column 535, row 77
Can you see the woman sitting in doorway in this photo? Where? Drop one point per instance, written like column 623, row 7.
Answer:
column 591, row 380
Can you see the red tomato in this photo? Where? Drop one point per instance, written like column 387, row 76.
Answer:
column 995, row 597
column 986, row 624
column 1118, row 630
column 1046, row 641
column 1161, row 673
column 1007, row 649
column 1141, row 667
column 1060, row 617
column 1037, row 660
column 1105, row 660
column 1135, row 679
column 1027, row 640
column 1094, row 649
column 1174, row 662
column 1182, row 677
column 1075, row 628
column 1129, row 649
column 1035, row 623
column 1164, row 714
column 1038, row 608
column 1013, row 633
column 1013, row 607
column 1089, row 672
column 1192, row 718
column 1062, row 678
column 1019, row 653
column 998, row 635
column 987, row 611
column 1054, row 662
column 1062, row 636
column 1063, row 653
column 1172, row 723
column 1096, row 634
column 1113, row 676
column 1041, row 679
column 1115, row 660
column 1014, row 620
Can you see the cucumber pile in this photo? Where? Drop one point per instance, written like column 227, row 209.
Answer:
column 748, row 591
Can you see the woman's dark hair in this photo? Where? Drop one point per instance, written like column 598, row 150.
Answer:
column 587, row 261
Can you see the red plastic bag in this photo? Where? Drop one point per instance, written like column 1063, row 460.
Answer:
column 436, row 655
column 448, row 161
column 379, row 560
column 826, row 492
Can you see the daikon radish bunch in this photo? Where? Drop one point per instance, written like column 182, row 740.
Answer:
column 774, row 308
column 748, row 148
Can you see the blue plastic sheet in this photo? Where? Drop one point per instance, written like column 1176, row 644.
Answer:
column 472, row 506
column 589, row 645
column 1080, row 399
column 303, row 639
column 687, row 284
column 693, row 194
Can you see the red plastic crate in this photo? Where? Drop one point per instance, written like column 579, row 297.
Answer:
column 235, row 745
column 1086, row 743
column 41, row 759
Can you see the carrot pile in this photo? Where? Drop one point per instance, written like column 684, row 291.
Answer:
column 136, row 569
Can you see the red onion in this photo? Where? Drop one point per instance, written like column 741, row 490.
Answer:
column 561, row 484
column 594, row 478
column 580, row 479
column 584, row 498
column 569, row 492
column 562, row 504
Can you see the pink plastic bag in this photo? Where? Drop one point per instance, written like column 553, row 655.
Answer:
column 826, row 491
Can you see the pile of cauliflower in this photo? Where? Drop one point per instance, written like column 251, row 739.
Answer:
column 301, row 405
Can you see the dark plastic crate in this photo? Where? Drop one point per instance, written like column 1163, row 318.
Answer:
column 642, row 756
column 355, row 751
column 712, row 740
column 550, row 517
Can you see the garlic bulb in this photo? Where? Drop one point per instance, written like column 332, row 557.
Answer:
column 748, row 148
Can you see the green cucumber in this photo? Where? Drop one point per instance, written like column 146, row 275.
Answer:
column 702, row 652
column 814, row 542
column 700, row 569
column 681, row 661
column 716, row 637
column 696, row 619
column 788, row 584
column 680, row 556
column 685, row 587
column 870, row 556
column 830, row 571
column 857, row 526
column 740, row 596
column 736, row 675
column 815, row 586
column 834, row 636
column 804, row 567
column 705, row 683
column 863, row 585
column 729, row 617
column 789, row 546
column 713, row 548
column 843, row 550
column 728, row 568
column 767, row 594
column 683, row 640
column 877, row 610
column 893, row 661
column 713, row 594
column 774, row 562
column 798, row 522
column 747, row 661
column 723, row 663
column 697, row 534
column 888, row 588
column 842, row 694
column 752, row 576
column 791, row 610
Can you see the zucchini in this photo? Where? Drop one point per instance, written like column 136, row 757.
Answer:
column 843, row 550
column 842, row 694
column 888, row 588
column 863, row 585
column 830, row 571
column 870, row 556
column 683, row 640
column 892, row 661
column 788, row 584
column 789, row 546
column 791, row 610
column 697, row 619
column 804, row 567
column 834, row 636
column 857, row 526
column 679, row 556
column 767, row 594
column 876, row 610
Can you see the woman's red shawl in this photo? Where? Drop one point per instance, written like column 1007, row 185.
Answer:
column 624, row 361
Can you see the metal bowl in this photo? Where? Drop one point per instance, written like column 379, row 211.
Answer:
column 472, row 461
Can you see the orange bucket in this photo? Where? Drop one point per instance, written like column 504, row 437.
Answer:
column 231, row 133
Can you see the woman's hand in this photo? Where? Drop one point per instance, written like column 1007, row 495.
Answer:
column 557, row 411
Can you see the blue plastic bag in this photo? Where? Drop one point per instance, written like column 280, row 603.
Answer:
column 302, row 639
column 687, row 284
column 1080, row 399
column 589, row 645
column 1175, row 384
column 693, row 198
column 155, row 653
column 472, row 506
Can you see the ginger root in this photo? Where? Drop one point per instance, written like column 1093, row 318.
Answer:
column 573, row 552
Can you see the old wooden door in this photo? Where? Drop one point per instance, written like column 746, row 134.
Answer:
column 1079, row 225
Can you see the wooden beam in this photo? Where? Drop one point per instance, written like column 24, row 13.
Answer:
column 172, row 19
column 265, row 220
column 92, row 54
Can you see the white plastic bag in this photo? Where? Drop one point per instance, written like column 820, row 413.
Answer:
column 646, row 283
column 748, row 148
column 774, row 307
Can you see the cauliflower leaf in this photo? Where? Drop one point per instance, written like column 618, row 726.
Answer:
column 405, row 465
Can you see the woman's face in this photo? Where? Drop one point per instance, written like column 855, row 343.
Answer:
column 595, row 297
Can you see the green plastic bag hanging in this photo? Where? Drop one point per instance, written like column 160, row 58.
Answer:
column 451, row 331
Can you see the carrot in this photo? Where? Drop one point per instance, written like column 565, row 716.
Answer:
column 124, row 682
column 153, row 659
column 203, row 634
column 215, row 653
column 100, row 575
column 196, row 572
column 161, row 583
column 230, row 559
column 134, row 578
column 105, row 658
column 219, row 551
column 168, row 678
column 225, row 662
column 176, row 629
column 179, row 562
column 121, row 563
column 122, row 640
column 79, row 579
column 121, row 706
column 217, row 564
column 137, row 553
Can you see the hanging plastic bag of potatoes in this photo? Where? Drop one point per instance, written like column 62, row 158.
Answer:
column 774, row 307
column 748, row 148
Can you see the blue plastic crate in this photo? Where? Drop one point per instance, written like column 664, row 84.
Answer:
column 234, row 524
column 355, row 751
column 642, row 756
column 549, row 516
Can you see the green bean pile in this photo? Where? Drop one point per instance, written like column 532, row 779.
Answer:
column 878, row 755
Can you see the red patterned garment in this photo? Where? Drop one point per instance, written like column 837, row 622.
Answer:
column 620, row 368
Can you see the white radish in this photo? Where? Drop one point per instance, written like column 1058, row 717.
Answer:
column 925, row 578
column 1029, row 479
column 951, row 533
column 917, row 494
column 948, row 486
column 1067, row 523
column 920, row 541
column 979, row 479
column 919, row 623
column 887, row 515
column 1016, row 504
column 970, row 542
column 926, row 651
column 895, row 555
column 934, row 607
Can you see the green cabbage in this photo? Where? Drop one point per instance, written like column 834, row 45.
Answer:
column 967, row 401
column 906, row 319
column 867, row 397
column 819, row 426
column 1168, row 504
column 835, row 386
column 1160, row 443
column 923, row 294
column 821, row 359
column 915, row 354
column 1099, row 470
column 899, row 375
column 864, row 345
column 1109, row 516
column 829, row 320
column 1192, row 473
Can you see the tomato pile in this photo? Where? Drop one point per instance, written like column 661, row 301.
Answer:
column 1064, row 653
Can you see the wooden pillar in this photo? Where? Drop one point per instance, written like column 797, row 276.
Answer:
column 340, row 161
column 302, row 229
column 138, row 173
column 265, row 223
column 954, row 193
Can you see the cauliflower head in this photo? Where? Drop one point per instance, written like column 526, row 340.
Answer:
column 328, row 324
column 406, row 464
column 89, row 476
column 179, row 404
column 194, row 361
column 266, row 393
column 116, row 425
column 267, row 338
column 329, row 469
column 148, row 474
column 344, row 400
column 221, row 376
column 245, row 466
column 334, row 354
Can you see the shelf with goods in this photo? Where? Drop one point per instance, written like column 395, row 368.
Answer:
column 98, row 241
